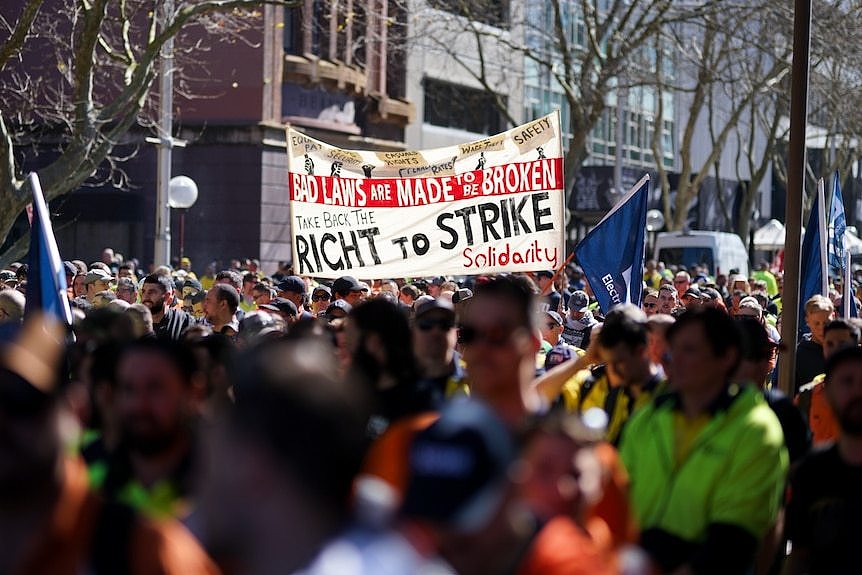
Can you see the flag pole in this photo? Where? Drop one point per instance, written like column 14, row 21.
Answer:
column 796, row 181
column 849, row 297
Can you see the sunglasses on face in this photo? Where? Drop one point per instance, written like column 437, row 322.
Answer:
column 495, row 336
column 429, row 324
column 320, row 297
column 650, row 305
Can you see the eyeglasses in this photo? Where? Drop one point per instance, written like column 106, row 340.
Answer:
column 650, row 305
column 429, row 324
column 495, row 336
column 321, row 297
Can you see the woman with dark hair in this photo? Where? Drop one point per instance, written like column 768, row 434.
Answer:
column 380, row 344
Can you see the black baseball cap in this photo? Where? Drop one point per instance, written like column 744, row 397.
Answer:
column 431, row 305
column 282, row 305
column 458, row 468
column 292, row 284
column 338, row 304
column 347, row 284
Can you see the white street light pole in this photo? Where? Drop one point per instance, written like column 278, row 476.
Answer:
column 162, row 252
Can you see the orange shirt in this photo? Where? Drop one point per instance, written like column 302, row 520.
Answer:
column 562, row 548
column 613, row 507
column 821, row 420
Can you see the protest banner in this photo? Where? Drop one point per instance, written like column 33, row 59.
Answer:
column 493, row 205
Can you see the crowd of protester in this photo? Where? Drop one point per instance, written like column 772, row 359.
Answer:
column 241, row 423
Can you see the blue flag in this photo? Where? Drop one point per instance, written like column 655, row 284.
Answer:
column 612, row 254
column 837, row 227
column 46, row 279
column 813, row 257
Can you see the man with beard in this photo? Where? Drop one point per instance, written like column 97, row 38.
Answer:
column 823, row 515
column 157, row 293
column 155, row 402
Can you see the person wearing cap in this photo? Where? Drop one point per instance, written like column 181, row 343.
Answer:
column 551, row 327
column 811, row 399
column 707, row 460
column 579, row 321
column 692, row 297
column 157, row 293
column 338, row 309
column 548, row 291
column 349, row 289
column 434, row 339
column 10, row 280
column 294, row 289
column 462, row 492
column 221, row 303
column 97, row 280
column 283, row 308
column 320, row 299
column 127, row 290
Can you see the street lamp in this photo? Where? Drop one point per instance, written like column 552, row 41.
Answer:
column 182, row 194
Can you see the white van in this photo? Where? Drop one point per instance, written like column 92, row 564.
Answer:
column 720, row 251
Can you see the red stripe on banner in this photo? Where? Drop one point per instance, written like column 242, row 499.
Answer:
column 514, row 178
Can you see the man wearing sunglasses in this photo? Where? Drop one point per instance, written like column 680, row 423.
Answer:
column 320, row 300
column 434, row 338
column 500, row 345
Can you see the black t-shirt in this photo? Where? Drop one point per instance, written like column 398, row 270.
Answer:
column 796, row 436
column 809, row 363
column 173, row 324
column 825, row 511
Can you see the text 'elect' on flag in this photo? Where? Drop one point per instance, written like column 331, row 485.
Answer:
column 612, row 253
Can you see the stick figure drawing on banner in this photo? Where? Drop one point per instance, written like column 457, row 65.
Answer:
column 481, row 163
column 541, row 152
column 309, row 165
column 367, row 169
column 335, row 170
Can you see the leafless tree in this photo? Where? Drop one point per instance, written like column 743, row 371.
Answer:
column 585, row 49
column 77, row 75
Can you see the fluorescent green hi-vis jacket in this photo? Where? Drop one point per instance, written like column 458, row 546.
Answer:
column 733, row 476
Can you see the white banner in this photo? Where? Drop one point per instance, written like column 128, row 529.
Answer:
column 494, row 205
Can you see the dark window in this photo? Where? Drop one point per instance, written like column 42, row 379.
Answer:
column 492, row 12
column 454, row 106
column 293, row 30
